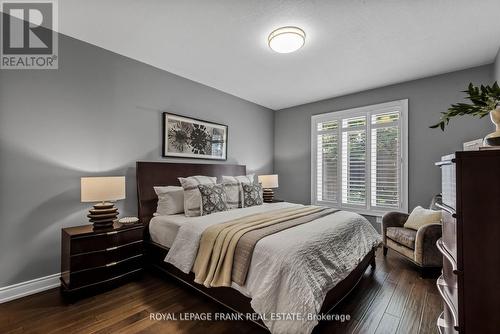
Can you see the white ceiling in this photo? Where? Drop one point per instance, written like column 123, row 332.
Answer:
column 351, row 45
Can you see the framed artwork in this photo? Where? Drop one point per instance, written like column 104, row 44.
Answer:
column 186, row 137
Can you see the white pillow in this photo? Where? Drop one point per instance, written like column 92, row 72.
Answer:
column 192, row 195
column 420, row 217
column 234, row 191
column 170, row 200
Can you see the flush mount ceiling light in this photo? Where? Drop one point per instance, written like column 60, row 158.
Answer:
column 286, row 39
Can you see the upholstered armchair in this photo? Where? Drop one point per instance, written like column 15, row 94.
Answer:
column 417, row 246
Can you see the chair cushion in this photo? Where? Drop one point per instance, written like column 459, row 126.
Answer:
column 403, row 236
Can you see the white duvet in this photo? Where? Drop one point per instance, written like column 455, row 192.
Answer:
column 291, row 271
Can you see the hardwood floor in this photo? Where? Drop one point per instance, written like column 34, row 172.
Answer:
column 391, row 299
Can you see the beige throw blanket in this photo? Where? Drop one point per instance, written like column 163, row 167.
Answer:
column 214, row 267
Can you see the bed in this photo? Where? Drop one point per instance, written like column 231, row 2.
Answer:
column 169, row 238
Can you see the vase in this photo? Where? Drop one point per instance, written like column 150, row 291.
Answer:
column 493, row 139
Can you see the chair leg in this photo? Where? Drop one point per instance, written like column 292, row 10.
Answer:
column 385, row 251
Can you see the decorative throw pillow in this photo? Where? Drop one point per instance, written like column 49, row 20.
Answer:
column 170, row 200
column 192, row 197
column 420, row 217
column 213, row 198
column 252, row 195
column 234, row 190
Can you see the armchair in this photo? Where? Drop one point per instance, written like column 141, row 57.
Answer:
column 417, row 246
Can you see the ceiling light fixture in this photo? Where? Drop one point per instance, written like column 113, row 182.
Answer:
column 286, row 39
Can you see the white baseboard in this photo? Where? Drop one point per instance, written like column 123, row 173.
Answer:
column 22, row 289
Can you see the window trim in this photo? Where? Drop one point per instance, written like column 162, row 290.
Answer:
column 368, row 110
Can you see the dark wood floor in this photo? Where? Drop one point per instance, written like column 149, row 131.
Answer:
column 391, row 299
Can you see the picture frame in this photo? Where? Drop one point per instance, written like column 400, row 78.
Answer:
column 188, row 137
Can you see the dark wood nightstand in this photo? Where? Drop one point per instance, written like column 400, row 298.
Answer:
column 276, row 200
column 100, row 258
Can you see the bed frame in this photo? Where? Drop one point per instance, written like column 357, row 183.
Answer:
column 150, row 174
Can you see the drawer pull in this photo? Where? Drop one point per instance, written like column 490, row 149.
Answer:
column 111, row 264
column 447, row 208
column 442, row 248
column 440, row 286
column 111, row 248
column 112, row 232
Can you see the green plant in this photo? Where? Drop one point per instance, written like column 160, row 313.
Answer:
column 484, row 99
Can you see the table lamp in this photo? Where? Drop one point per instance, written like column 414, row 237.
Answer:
column 268, row 183
column 102, row 189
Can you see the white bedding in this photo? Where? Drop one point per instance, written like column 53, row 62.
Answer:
column 290, row 271
column 163, row 229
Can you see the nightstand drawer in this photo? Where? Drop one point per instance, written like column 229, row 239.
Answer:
column 101, row 258
column 109, row 271
column 104, row 240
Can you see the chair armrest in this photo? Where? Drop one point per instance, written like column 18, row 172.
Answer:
column 393, row 219
column 426, row 251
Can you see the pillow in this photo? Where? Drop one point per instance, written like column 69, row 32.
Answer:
column 233, row 188
column 192, row 197
column 252, row 195
column 213, row 198
column 170, row 200
column 420, row 217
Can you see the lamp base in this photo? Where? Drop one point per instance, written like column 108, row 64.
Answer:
column 268, row 195
column 103, row 215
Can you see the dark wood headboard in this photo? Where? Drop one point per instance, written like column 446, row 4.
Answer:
column 150, row 174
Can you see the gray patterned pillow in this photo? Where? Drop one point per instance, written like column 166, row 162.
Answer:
column 252, row 195
column 213, row 198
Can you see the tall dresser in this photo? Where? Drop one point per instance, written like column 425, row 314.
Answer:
column 470, row 244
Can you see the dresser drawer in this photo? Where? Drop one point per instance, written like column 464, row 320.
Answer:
column 102, row 241
column 448, row 185
column 450, row 269
column 449, row 294
column 449, row 275
column 106, row 272
column 100, row 258
column 443, row 323
column 449, row 236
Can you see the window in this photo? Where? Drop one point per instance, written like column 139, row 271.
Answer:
column 359, row 158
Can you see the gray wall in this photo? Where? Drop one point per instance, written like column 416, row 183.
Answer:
column 497, row 67
column 97, row 115
column 427, row 98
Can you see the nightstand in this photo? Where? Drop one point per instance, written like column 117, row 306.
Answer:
column 275, row 200
column 100, row 258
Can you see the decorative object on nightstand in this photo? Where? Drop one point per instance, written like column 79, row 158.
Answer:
column 100, row 258
column 485, row 101
column 102, row 189
column 268, row 183
column 128, row 220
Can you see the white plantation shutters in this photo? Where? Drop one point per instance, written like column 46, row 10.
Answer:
column 359, row 158
column 354, row 161
column 327, row 164
column 385, row 160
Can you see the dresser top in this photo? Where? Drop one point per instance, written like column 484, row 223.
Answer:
column 472, row 154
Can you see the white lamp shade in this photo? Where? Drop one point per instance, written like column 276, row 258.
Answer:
column 269, row 181
column 100, row 189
